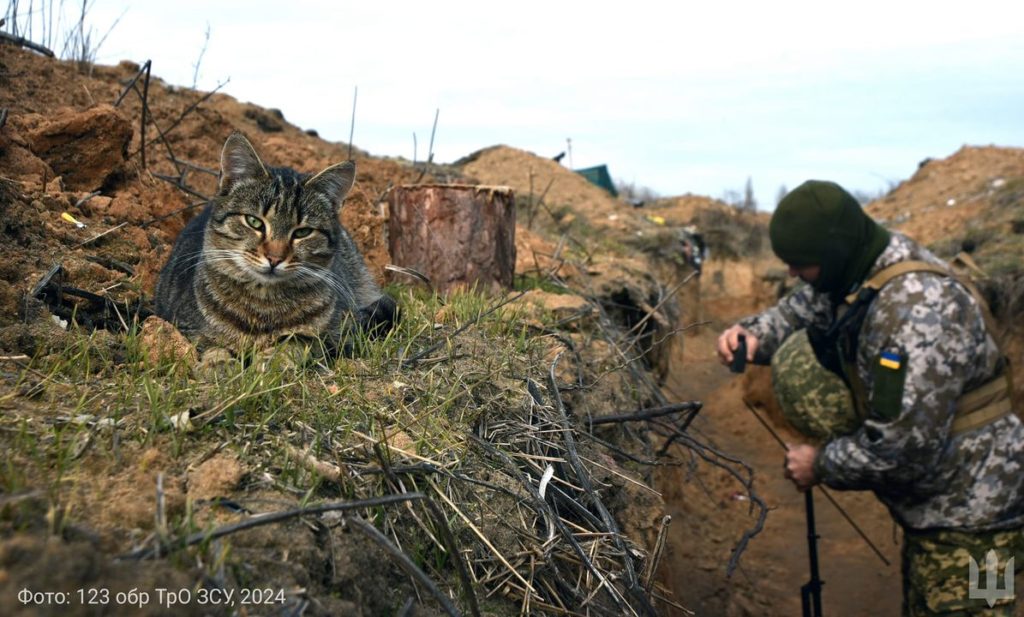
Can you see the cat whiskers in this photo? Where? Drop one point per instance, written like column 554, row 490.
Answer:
column 212, row 256
column 329, row 278
column 193, row 260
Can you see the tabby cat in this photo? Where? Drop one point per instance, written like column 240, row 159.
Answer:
column 268, row 259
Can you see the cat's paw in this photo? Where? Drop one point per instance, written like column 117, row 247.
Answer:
column 379, row 317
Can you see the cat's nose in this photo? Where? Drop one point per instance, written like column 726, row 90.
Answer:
column 275, row 253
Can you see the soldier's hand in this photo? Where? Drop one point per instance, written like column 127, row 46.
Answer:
column 800, row 466
column 729, row 340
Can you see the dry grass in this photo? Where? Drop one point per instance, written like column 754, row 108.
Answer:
column 497, row 491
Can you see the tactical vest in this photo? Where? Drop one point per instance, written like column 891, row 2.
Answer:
column 837, row 348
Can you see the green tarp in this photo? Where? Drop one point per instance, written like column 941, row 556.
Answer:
column 599, row 175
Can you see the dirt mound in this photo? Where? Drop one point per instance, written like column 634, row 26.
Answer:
column 945, row 196
column 686, row 209
column 533, row 177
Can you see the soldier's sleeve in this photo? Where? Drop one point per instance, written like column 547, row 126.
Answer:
column 914, row 356
column 801, row 308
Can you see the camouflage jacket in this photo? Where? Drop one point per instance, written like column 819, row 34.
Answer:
column 927, row 477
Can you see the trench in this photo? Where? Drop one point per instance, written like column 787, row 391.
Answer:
column 710, row 509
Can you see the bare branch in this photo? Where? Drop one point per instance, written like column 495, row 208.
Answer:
column 199, row 60
column 403, row 561
column 275, row 517
column 27, row 44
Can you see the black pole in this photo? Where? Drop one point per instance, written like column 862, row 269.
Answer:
column 810, row 594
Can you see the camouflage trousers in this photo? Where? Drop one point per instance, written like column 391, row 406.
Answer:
column 938, row 577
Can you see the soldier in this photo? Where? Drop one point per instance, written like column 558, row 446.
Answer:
column 930, row 428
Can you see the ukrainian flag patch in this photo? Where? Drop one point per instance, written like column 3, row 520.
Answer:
column 890, row 360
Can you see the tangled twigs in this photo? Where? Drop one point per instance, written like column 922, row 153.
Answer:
column 676, row 431
column 636, row 332
column 460, row 562
column 274, row 517
column 646, row 414
column 169, row 214
column 659, row 547
column 194, row 105
column 195, row 167
column 403, row 561
column 130, row 85
column 182, row 186
column 147, row 119
column 90, row 310
column 552, row 521
column 639, row 375
column 713, row 456
column 632, row 584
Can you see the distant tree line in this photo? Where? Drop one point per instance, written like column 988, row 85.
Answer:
column 744, row 201
column 634, row 193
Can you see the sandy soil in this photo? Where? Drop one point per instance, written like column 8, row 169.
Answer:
column 710, row 515
column 946, row 195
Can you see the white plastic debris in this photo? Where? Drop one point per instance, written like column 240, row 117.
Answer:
column 548, row 474
column 182, row 422
column 951, row 202
column 998, row 182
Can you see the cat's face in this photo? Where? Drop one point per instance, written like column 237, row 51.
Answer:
column 273, row 225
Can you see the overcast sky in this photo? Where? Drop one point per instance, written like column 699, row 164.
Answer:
column 676, row 96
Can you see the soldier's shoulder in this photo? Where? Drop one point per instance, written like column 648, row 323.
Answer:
column 918, row 296
column 916, row 286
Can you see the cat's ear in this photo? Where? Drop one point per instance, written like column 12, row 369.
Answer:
column 334, row 182
column 239, row 161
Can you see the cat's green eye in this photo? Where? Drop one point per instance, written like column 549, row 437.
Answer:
column 302, row 232
column 254, row 221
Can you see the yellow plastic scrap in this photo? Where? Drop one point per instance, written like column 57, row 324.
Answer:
column 657, row 220
column 67, row 217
